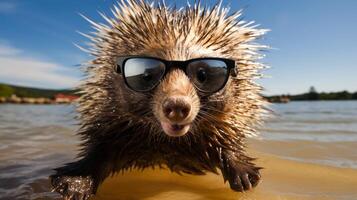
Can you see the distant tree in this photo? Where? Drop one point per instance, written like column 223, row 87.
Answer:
column 312, row 95
column 324, row 96
column 312, row 90
column 343, row 95
column 6, row 91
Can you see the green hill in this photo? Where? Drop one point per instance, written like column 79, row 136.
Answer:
column 8, row 90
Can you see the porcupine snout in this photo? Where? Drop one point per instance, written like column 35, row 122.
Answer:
column 176, row 104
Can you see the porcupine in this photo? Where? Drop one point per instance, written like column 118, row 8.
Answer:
column 174, row 124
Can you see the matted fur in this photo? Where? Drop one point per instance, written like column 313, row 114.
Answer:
column 120, row 122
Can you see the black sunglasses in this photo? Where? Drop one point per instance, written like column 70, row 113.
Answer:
column 142, row 74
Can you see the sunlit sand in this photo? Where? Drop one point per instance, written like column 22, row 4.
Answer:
column 282, row 179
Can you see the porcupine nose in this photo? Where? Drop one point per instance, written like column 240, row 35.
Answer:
column 176, row 109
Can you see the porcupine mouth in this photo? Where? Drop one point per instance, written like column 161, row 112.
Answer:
column 175, row 130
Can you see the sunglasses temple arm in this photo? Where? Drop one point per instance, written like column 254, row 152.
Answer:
column 234, row 70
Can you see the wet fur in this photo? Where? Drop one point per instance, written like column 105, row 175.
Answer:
column 120, row 128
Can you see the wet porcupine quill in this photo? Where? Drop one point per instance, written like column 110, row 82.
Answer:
column 122, row 129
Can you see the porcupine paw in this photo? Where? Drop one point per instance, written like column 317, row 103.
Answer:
column 242, row 177
column 73, row 187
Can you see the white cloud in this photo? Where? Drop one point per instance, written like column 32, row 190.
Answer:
column 16, row 68
column 6, row 50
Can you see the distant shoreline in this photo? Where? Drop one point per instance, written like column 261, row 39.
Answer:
column 28, row 95
column 314, row 96
column 25, row 95
column 58, row 99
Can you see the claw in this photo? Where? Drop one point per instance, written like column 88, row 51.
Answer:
column 246, row 182
column 237, row 184
column 241, row 176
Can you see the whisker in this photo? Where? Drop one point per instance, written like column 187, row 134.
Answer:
column 213, row 109
column 207, row 115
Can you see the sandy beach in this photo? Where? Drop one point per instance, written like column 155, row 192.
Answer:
column 282, row 179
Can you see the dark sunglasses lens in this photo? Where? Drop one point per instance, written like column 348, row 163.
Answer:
column 208, row 75
column 143, row 74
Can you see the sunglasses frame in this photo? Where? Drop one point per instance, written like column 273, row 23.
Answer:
column 120, row 63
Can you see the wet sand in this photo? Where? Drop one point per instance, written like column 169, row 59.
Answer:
column 282, row 179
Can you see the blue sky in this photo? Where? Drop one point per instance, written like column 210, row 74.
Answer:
column 314, row 41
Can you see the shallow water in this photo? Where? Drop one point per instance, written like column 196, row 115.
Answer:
column 33, row 139
column 322, row 121
column 307, row 150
